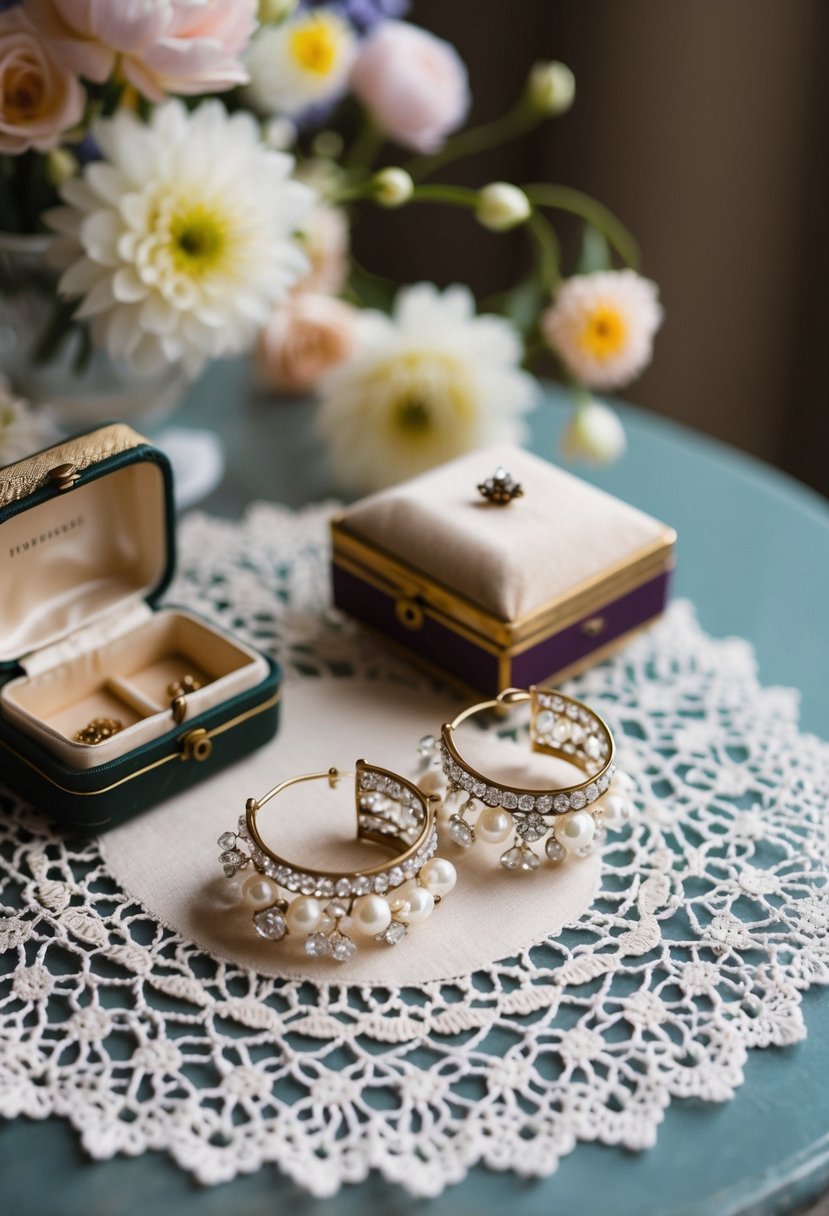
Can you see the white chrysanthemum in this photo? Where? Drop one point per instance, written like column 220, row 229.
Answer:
column 303, row 61
column 427, row 384
column 181, row 240
column 602, row 326
column 23, row 430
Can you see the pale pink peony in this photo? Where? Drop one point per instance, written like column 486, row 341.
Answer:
column 306, row 337
column 39, row 97
column 414, row 85
column 169, row 46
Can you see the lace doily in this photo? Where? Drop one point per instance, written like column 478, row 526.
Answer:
column 711, row 920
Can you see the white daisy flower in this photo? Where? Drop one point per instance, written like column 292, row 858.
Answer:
column 602, row 326
column 302, row 62
column 430, row 382
column 181, row 240
column 23, row 430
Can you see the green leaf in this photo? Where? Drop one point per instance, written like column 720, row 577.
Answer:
column 522, row 303
column 595, row 252
column 370, row 290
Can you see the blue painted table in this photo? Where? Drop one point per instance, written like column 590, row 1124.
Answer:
column 754, row 557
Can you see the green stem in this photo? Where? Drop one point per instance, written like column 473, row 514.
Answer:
column 549, row 250
column 564, row 198
column 366, row 146
column 520, row 119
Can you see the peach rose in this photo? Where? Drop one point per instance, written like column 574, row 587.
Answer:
column 414, row 85
column 39, row 98
column 171, row 47
column 305, row 337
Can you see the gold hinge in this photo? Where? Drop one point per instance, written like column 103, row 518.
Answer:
column 64, row 476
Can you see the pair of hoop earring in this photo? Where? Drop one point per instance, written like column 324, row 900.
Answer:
column 329, row 909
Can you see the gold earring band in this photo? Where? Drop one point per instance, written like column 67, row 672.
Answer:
column 178, row 692
column 324, row 907
column 98, row 730
column 572, row 818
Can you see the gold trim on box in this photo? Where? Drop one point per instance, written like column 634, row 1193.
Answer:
column 148, row 768
column 388, row 574
column 19, row 480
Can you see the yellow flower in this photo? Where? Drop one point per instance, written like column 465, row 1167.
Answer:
column 303, row 61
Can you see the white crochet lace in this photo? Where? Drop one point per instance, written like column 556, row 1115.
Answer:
column 711, row 921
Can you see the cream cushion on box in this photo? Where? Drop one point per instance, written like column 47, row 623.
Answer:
column 509, row 560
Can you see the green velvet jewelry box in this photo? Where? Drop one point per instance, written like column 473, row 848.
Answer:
column 110, row 704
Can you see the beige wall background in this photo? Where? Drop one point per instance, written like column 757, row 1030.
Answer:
column 703, row 124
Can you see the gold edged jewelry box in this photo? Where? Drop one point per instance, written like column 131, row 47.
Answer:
column 494, row 595
column 109, row 703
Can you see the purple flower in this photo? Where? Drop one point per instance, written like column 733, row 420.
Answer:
column 363, row 14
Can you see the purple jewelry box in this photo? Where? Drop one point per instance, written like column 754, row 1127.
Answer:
column 497, row 596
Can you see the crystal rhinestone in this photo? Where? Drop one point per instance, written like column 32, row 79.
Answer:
column 561, row 803
column 555, row 851
column 511, row 860
column 461, row 832
column 479, row 789
column 592, row 792
column 585, row 715
column 317, row 945
column 467, row 782
column 561, row 730
column 492, row 797
column 427, row 745
column 544, row 722
column 231, row 858
column 270, row 924
column 337, row 909
column 573, row 712
column 368, row 781
column 557, row 704
column 326, row 888
column 529, row 861
column 381, row 884
column 603, row 783
column 227, row 840
column 509, row 801
column 454, row 771
column 531, row 827
column 361, row 885
column 544, row 804
column 577, row 800
column 343, row 887
column 569, row 748
column 592, row 746
column 307, row 884
column 230, row 871
column 394, row 934
column 395, row 876
column 545, row 700
column 576, row 732
column 243, row 822
column 342, row 948
column 409, row 866
column 395, row 791
column 526, row 802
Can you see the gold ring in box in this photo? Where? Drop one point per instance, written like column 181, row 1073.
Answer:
column 326, row 907
column 570, row 820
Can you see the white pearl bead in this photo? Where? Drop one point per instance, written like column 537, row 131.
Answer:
column 432, row 781
column 494, row 825
column 259, row 891
column 438, row 876
column 304, row 914
column 576, row 831
column 414, row 903
column 544, row 721
column 623, row 784
column 616, row 810
column 370, row 915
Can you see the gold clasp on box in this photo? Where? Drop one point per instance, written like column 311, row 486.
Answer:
column 64, row 476
column 592, row 627
column 196, row 745
column 409, row 613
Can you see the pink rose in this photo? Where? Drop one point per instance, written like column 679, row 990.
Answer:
column 305, row 337
column 414, row 85
column 324, row 238
column 171, row 47
column 39, row 98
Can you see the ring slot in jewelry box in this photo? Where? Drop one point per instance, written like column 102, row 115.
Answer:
column 108, row 703
column 494, row 594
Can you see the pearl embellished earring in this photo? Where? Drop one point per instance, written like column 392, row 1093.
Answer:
column 570, row 820
column 329, row 909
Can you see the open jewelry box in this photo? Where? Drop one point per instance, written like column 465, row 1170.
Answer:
column 108, row 703
column 494, row 595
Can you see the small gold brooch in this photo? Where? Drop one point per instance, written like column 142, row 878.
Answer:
column 500, row 488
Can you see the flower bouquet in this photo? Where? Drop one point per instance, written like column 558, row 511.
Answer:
column 183, row 178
